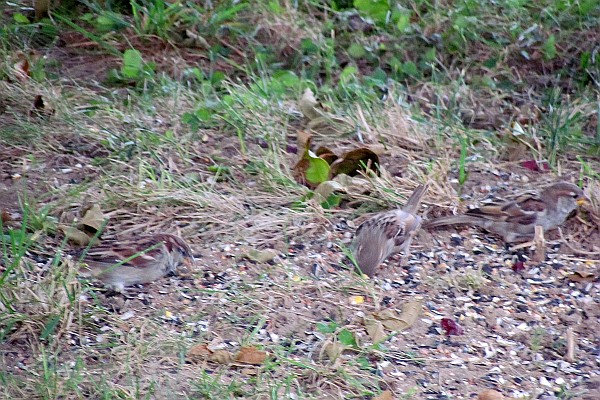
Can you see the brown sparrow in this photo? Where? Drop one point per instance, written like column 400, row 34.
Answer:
column 387, row 233
column 515, row 219
column 141, row 260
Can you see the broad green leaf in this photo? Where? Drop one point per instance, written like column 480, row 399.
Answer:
column 330, row 327
column 132, row 64
column 356, row 50
column 20, row 18
column 318, row 169
column 403, row 22
column 549, row 48
column 376, row 9
column 347, row 338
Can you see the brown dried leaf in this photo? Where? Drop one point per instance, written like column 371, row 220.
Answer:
column 303, row 141
column 202, row 352
column 39, row 109
column 394, row 322
column 582, row 276
column 5, row 216
column 333, row 350
column 221, row 357
column 490, row 394
column 385, row 395
column 354, row 161
column 375, row 329
column 199, row 351
column 93, row 219
column 251, row 355
column 326, row 154
column 21, row 67
column 75, row 235
column 308, row 105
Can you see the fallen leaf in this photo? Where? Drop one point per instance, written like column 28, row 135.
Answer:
column 39, row 109
column 394, row 322
column 202, row 352
column 354, row 161
column 354, row 300
column 326, row 154
column 310, row 170
column 303, row 141
column 518, row 266
column 21, row 67
column 582, row 276
column 375, row 329
column 490, row 394
column 327, row 188
column 308, row 105
column 534, row 165
column 5, row 216
column 251, row 355
column 333, row 350
column 451, row 327
column 75, row 235
column 93, row 219
column 261, row 256
column 385, row 395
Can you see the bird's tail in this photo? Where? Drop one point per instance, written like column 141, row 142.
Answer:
column 413, row 202
column 454, row 220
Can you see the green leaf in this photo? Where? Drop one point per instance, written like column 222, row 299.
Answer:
column 430, row 55
column 50, row 327
column 491, row 62
column 549, row 48
column 275, row 7
column 403, row 22
column 409, row 68
column 20, row 18
column 376, row 9
column 308, row 46
column 286, row 78
column 330, row 327
column 356, row 50
column 318, row 169
column 584, row 61
column 217, row 77
column 332, row 201
column 347, row 338
column 348, row 73
column 133, row 64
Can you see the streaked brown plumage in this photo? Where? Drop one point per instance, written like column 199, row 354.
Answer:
column 515, row 219
column 387, row 233
column 148, row 258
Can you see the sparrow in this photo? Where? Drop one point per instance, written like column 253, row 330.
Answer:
column 387, row 233
column 140, row 260
column 515, row 219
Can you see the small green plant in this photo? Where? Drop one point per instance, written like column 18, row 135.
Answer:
column 536, row 339
column 157, row 17
column 133, row 69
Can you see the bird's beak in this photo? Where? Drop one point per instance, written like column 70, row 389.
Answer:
column 582, row 201
column 189, row 262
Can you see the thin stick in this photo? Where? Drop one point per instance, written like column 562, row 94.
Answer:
column 539, row 254
column 574, row 250
column 570, row 356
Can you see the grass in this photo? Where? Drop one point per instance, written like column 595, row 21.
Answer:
column 193, row 132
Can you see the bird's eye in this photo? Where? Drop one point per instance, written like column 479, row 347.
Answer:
column 574, row 195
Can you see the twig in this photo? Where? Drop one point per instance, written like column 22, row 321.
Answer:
column 570, row 356
column 539, row 252
column 574, row 250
